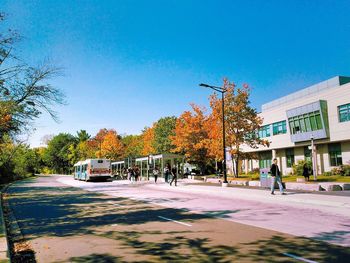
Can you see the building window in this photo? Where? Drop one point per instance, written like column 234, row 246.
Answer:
column 264, row 131
column 311, row 121
column 279, row 127
column 334, row 150
column 290, row 157
column 265, row 159
column 307, row 154
column 344, row 112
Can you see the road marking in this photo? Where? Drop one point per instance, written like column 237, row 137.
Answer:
column 175, row 221
column 299, row 258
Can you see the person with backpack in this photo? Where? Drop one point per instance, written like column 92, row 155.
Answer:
column 276, row 177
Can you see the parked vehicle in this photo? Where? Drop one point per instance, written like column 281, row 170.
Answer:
column 92, row 169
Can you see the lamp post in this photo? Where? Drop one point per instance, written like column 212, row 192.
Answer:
column 222, row 91
column 314, row 170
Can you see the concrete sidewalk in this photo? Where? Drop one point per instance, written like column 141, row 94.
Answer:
column 330, row 203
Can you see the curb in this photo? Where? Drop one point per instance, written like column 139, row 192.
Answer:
column 18, row 249
column 6, row 247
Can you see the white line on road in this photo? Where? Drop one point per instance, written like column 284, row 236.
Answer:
column 175, row 221
column 299, row 258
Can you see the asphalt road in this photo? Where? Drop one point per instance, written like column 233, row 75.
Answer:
column 71, row 221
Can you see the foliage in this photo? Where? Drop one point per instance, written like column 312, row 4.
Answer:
column 56, row 154
column 299, row 167
column 133, row 145
column 17, row 160
column 148, row 141
column 345, row 170
column 112, row 146
column 163, row 129
column 83, row 136
column 190, row 136
column 240, row 119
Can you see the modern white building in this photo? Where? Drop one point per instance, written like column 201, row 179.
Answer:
column 320, row 113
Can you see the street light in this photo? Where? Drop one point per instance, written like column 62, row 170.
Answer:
column 222, row 91
column 314, row 170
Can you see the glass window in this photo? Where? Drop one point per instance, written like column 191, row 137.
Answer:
column 290, row 157
column 306, row 122
column 264, row 131
column 334, row 150
column 344, row 112
column 265, row 159
column 307, row 153
column 279, row 127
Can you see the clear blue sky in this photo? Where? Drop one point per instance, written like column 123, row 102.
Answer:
column 128, row 63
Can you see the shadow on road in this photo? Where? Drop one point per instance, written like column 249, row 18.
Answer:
column 56, row 211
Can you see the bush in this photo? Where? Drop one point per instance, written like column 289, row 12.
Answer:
column 299, row 167
column 345, row 170
column 336, row 171
column 327, row 173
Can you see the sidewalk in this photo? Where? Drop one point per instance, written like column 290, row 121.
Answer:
column 330, row 203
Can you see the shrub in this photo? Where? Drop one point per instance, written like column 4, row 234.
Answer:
column 299, row 166
column 336, row 171
column 327, row 173
column 345, row 170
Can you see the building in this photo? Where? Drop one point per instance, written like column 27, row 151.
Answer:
column 320, row 113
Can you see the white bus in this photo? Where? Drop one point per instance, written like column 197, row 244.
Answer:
column 92, row 169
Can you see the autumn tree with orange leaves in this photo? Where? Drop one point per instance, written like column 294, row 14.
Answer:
column 190, row 136
column 148, row 141
column 241, row 120
column 112, row 146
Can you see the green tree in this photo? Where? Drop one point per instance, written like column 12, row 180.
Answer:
column 56, row 155
column 133, row 145
column 163, row 129
column 83, row 136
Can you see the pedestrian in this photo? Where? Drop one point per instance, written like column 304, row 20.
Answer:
column 276, row 177
column 137, row 173
column 306, row 172
column 166, row 172
column 155, row 173
column 174, row 175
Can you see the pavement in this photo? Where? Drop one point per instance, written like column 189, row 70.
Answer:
column 3, row 241
column 71, row 221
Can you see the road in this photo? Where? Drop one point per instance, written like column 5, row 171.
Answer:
column 72, row 221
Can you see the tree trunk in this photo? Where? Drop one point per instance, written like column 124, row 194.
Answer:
column 237, row 170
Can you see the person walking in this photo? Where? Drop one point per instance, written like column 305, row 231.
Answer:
column 174, row 175
column 306, row 172
column 276, row 177
column 166, row 173
column 155, row 173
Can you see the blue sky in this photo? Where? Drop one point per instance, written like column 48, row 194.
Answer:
column 128, row 63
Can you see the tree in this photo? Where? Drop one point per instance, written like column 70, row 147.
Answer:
column 112, row 147
column 241, row 120
column 24, row 90
column 133, row 145
column 56, row 155
column 163, row 129
column 83, row 136
column 190, row 136
column 148, row 141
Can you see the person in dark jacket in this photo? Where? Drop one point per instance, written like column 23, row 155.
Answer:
column 306, row 172
column 174, row 174
column 276, row 177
